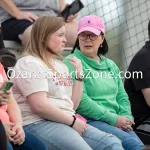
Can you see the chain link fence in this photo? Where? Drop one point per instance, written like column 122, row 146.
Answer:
column 126, row 24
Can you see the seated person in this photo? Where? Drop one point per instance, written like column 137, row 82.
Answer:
column 138, row 88
column 6, row 58
column 11, row 118
column 17, row 18
column 104, row 101
column 47, row 97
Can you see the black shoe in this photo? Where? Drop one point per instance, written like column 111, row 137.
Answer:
column 7, row 58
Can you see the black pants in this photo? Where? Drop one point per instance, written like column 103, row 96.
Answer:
column 12, row 28
column 143, row 131
column 1, row 40
column 3, row 143
column 6, row 57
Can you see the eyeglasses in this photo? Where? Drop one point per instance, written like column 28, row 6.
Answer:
column 84, row 37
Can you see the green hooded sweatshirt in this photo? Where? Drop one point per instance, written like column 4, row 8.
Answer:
column 103, row 97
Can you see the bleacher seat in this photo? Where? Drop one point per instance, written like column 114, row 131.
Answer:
column 14, row 47
column 17, row 48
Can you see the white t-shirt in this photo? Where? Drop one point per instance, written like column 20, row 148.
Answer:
column 31, row 75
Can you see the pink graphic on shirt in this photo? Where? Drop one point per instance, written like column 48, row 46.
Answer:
column 63, row 81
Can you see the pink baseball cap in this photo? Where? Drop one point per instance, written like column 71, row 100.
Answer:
column 91, row 23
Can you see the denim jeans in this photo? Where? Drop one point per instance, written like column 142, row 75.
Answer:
column 32, row 142
column 62, row 137
column 130, row 140
column 3, row 141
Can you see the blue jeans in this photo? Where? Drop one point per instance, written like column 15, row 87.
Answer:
column 62, row 137
column 130, row 140
column 32, row 142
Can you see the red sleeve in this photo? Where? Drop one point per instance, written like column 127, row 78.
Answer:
column 3, row 76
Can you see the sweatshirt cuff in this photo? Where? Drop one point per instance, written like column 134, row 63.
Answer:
column 110, row 118
column 130, row 117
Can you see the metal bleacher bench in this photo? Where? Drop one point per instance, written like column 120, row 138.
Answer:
column 12, row 44
column 14, row 47
column 17, row 48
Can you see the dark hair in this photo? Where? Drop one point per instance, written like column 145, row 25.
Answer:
column 149, row 28
column 101, row 50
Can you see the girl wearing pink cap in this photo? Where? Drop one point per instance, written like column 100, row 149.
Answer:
column 104, row 101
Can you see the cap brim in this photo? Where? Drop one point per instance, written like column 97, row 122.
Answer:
column 91, row 29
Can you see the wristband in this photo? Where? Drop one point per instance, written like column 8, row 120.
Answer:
column 74, row 119
column 79, row 78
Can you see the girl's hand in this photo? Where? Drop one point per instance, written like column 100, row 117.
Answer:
column 80, row 126
column 77, row 66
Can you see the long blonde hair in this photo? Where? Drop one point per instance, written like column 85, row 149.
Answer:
column 42, row 28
